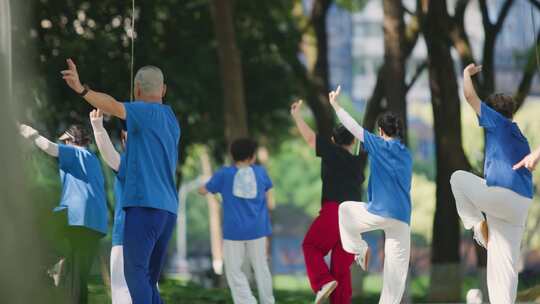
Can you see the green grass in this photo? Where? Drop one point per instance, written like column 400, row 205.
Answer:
column 288, row 289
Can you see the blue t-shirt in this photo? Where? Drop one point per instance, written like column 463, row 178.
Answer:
column 390, row 178
column 119, row 213
column 505, row 146
column 151, row 156
column 83, row 188
column 243, row 219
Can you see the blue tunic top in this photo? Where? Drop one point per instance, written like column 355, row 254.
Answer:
column 390, row 178
column 151, row 156
column 505, row 146
column 243, row 219
column 119, row 213
column 83, row 192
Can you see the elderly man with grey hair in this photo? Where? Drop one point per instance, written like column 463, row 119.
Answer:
column 150, row 198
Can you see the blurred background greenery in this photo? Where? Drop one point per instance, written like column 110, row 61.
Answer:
column 233, row 68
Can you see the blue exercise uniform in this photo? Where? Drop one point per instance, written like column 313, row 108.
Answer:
column 83, row 188
column 151, row 156
column 119, row 213
column 390, row 177
column 505, row 146
column 243, row 219
column 150, row 198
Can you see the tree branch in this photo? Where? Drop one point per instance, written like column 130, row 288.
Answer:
column 419, row 69
column 502, row 16
column 485, row 15
column 536, row 3
column 528, row 75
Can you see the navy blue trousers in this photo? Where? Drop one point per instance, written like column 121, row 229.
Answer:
column 147, row 232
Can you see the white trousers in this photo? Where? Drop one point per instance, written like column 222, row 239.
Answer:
column 355, row 219
column 119, row 289
column 506, row 214
column 234, row 255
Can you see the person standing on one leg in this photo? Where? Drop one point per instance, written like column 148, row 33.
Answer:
column 82, row 201
column 504, row 195
column 245, row 189
column 150, row 199
column 342, row 177
column 389, row 207
column 119, row 288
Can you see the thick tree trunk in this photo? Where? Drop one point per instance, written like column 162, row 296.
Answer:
column 231, row 70
column 394, row 58
column 318, row 76
column 234, row 109
column 445, row 273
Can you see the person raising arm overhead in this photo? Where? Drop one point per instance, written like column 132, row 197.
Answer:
column 389, row 206
column 150, row 197
column 342, row 177
column 495, row 207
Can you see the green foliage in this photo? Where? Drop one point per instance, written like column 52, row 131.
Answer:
column 352, row 5
column 296, row 174
column 175, row 35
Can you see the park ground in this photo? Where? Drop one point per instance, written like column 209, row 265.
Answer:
column 288, row 290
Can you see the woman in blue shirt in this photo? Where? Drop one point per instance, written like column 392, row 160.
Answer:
column 82, row 202
column 389, row 206
column 503, row 195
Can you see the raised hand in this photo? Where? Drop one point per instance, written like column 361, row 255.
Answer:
column 295, row 107
column 71, row 76
column 96, row 117
column 27, row 131
column 332, row 97
column 472, row 69
column 530, row 161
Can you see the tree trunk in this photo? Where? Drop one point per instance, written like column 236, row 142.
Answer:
column 231, row 70
column 318, row 77
column 394, row 59
column 214, row 214
column 445, row 270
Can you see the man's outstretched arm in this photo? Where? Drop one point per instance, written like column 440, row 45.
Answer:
column 102, row 101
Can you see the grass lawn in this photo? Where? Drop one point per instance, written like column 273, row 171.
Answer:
column 287, row 290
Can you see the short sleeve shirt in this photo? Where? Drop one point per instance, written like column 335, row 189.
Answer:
column 505, row 146
column 151, row 156
column 390, row 178
column 83, row 188
column 341, row 172
column 119, row 213
column 243, row 219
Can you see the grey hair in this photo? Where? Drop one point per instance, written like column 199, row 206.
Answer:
column 150, row 79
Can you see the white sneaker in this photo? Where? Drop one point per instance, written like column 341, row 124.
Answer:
column 325, row 291
column 481, row 233
column 363, row 259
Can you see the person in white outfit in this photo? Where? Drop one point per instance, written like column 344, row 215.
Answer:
column 245, row 189
column 119, row 289
column 389, row 206
column 496, row 206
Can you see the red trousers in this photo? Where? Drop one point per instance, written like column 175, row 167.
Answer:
column 323, row 236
